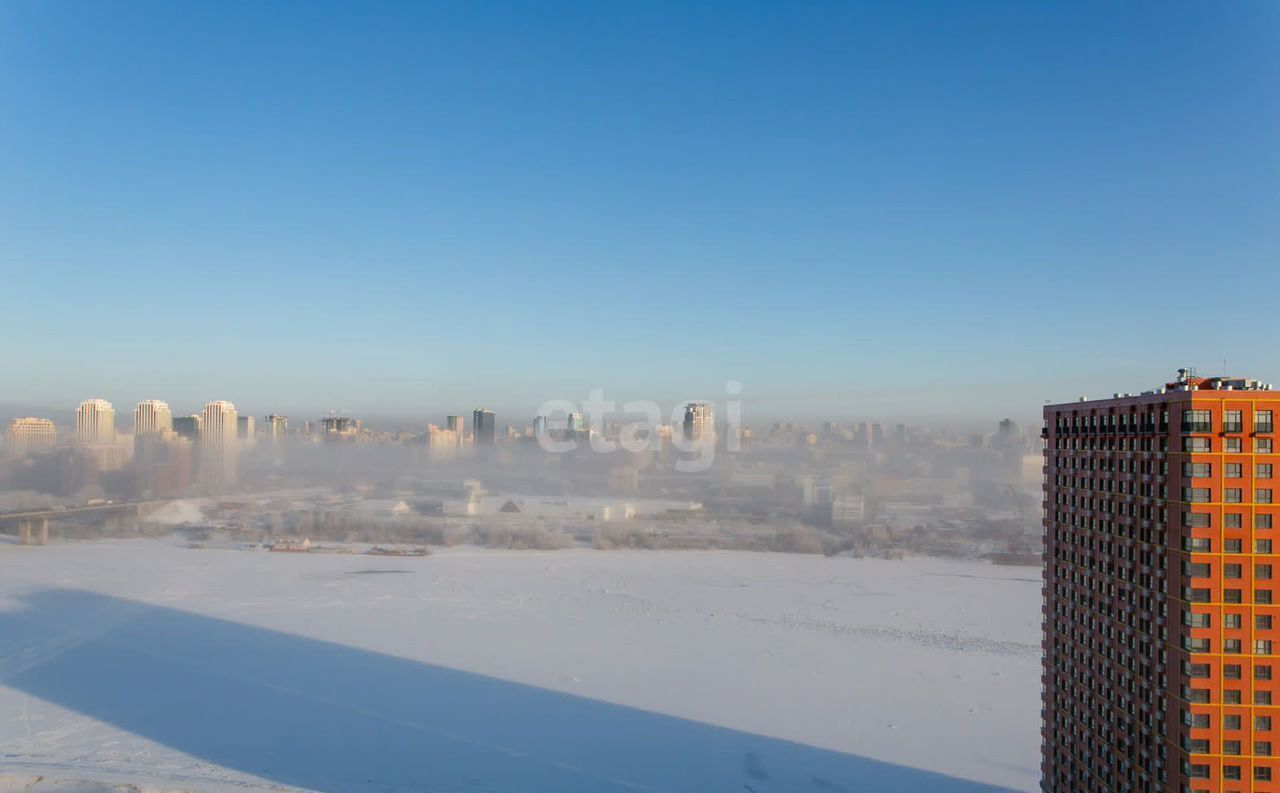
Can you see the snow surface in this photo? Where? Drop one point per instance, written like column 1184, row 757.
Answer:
column 147, row 663
column 176, row 513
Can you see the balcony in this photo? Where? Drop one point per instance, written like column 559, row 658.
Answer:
column 1196, row 426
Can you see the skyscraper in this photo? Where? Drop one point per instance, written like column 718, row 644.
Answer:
column 218, row 444
column 29, row 435
column 151, row 417
column 1008, row 432
column 277, row 427
column 484, row 427
column 162, row 457
column 188, row 426
column 442, row 444
column 340, row 428
column 96, row 422
column 1161, row 622
column 246, row 430
column 700, row 422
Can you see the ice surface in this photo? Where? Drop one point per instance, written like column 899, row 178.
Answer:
column 176, row 513
column 147, row 663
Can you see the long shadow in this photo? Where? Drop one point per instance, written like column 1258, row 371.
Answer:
column 318, row 715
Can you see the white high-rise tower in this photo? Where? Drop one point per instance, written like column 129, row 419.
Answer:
column 218, row 444
column 96, row 422
column 152, row 417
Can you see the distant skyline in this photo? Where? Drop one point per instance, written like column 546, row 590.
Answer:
column 865, row 405
column 930, row 210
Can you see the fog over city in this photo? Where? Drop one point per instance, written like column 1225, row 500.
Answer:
column 609, row 476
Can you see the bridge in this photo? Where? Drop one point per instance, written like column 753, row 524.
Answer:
column 33, row 525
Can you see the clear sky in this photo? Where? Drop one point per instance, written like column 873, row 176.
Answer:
column 855, row 209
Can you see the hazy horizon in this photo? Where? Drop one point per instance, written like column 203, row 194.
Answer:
column 887, row 404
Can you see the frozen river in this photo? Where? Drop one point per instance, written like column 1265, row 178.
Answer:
column 478, row 670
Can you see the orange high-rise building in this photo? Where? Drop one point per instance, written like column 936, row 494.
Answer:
column 1161, row 612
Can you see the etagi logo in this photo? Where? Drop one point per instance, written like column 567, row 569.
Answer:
column 694, row 426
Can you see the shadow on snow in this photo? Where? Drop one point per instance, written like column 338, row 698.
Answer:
column 329, row 717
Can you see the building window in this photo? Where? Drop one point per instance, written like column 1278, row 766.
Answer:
column 1262, row 748
column 1262, row 697
column 1201, row 645
column 1197, row 421
column 1197, row 470
column 1232, row 495
column 1231, row 545
column 1196, row 495
column 1195, row 520
column 1263, row 495
column 1231, row 747
column 1230, row 570
column 1232, row 596
column 1262, row 647
column 1199, row 771
column 1262, row 471
column 1231, row 772
column 1262, row 672
column 1231, row 722
column 1262, row 521
column 1230, row 671
column 1233, row 421
column 1262, row 622
column 1262, row 421
column 1233, row 520
column 1262, row 572
column 1262, row 597
column 1262, row 445
column 1231, row 620
column 1262, row 546
column 1233, row 470
column 1262, row 773
column 1232, row 445
column 1198, row 544
column 1194, row 619
column 1195, row 444
column 1231, row 696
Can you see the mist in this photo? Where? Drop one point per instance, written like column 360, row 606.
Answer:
column 831, row 487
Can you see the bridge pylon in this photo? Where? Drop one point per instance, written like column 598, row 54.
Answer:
column 33, row 531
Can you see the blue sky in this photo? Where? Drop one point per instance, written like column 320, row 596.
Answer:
column 855, row 209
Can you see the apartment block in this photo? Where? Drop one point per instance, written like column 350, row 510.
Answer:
column 1161, row 668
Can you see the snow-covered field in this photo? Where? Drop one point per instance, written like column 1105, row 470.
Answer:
column 475, row 670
